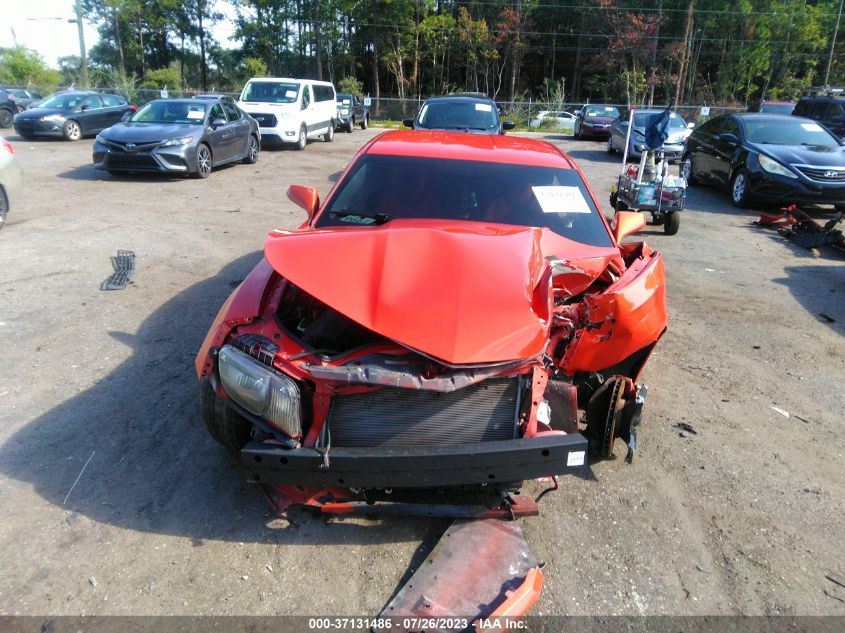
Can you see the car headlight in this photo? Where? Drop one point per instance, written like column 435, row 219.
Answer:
column 53, row 118
column 100, row 139
column 260, row 390
column 774, row 167
column 182, row 140
column 639, row 137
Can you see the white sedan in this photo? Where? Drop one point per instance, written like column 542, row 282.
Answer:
column 553, row 118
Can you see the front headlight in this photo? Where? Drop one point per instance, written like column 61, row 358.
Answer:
column 260, row 390
column 100, row 139
column 53, row 118
column 639, row 137
column 182, row 140
column 774, row 167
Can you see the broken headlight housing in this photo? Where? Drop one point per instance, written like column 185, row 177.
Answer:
column 260, row 390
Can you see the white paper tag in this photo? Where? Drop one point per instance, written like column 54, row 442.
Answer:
column 196, row 114
column 483, row 107
column 592, row 113
column 561, row 200
column 346, row 102
column 705, row 110
column 608, row 109
column 575, row 458
column 291, row 94
column 811, row 127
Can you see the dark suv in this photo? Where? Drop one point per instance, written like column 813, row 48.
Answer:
column 463, row 112
column 351, row 111
column 825, row 105
column 8, row 108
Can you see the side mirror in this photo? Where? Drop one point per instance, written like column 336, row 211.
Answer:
column 305, row 197
column 508, row 125
column 215, row 123
column 627, row 223
column 126, row 116
column 84, row 107
column 728, row 139
column 408, row 122
column 691, row 124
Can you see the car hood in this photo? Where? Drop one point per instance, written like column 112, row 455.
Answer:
column 148, row 132
column 37, row 113
column 804, row 154
column 460, row 292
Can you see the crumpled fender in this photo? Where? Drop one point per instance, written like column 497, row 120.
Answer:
column 243, row 305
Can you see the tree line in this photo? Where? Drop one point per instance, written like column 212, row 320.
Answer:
column 630, row 51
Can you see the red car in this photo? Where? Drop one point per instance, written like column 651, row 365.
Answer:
column 456, row 312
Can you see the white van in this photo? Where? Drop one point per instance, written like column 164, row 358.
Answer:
column 291, row 110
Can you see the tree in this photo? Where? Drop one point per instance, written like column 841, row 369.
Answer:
column 23, row 66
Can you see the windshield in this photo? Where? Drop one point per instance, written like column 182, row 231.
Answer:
column 777, row 108
column 603, row 111
column 171, row 112
column 788, row 131
column 342, row 98
column 66, row 101
column 381, row 188
column 458, row 115
column 271, row 92
column 675, row 121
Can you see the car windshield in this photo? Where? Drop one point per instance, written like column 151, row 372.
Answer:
column 381, row 188
column 788, row 131
column 603, row 111
column 777, row 108
column 458, row 115
column 675, row 121
column 271, row 92
column 171, row 112
column 65, row 101
column 342, row 98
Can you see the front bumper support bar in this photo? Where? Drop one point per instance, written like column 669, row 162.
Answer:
column 418, row 466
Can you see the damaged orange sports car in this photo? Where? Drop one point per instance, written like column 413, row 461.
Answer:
column 456, row 314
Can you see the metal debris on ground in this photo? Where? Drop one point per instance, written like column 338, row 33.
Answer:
column 783, row 412
column 685, row 426
column 124, row 265
column 798, row 227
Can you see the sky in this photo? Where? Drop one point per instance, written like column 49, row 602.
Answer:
column 33, row 25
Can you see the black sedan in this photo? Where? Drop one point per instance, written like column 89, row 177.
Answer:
column 767, row 157
column 187, row 136
column 72, row 115
column 466, row 112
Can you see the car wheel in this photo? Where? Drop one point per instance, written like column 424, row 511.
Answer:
column 302, row 141
column 365, row 122
column 6, row 118
column 203, row 161
column 576, row 132
column 672, row 223
column 687, row 170
column 222, row 423
column 610, row 148
column 617, row 204
column 4, row 207
column 740, row 195
column 328, row 137
column 251, row 151
column 350, row 125
column 72, row 131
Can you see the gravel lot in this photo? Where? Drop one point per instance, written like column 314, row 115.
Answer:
column 744, row 516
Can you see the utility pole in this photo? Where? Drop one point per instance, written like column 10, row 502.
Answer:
column 833, row 44
column 83, row 56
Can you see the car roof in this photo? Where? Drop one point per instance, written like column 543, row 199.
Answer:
column 210, row 96
column 460, row 97
column 184, row 100
column 760, row 116
column 777, row 103
column 491, row 148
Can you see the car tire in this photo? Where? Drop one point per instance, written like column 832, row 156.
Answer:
column 302, row 140
column 365, row 122
column 576, row 132
column 7, row 117
column 204, row 161
column 350, row 125
column 4, row 207
column 71, row 131
column 610, row 148
column 616, row 203
column 686, row 170
column 114, row 172
column 740, row 195
column 251, row 151
column 227, row 428
column 671, row 223
column 328, row 137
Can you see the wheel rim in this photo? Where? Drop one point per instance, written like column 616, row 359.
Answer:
column 610, row 143
column 687, row 169
column 5, row 118
column 253, row 150
column 302, row 138
column 739, row 187
column 73, row 130
column 203, row 161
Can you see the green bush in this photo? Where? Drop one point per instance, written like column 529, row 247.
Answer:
column 350, row 85
column 162, row 78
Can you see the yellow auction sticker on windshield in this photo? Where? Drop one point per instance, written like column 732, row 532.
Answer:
column 561, row 199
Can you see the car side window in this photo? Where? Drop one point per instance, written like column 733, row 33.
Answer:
column 231, row 111
column 90, row 102
column 802, row 108
column 710, row 127
column 730, row 126
column 306, row 97
column 216, row 113
column 818, row 110
column 112, row 101
column 837, row 112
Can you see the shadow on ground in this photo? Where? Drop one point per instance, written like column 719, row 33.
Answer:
column 821, row 291
column 153, row 468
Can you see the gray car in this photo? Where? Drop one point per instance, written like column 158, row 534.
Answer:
column 679, row 130
column 187, row 136
column 11, row 178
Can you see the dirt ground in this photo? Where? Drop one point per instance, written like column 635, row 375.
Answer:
column 743, row 517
